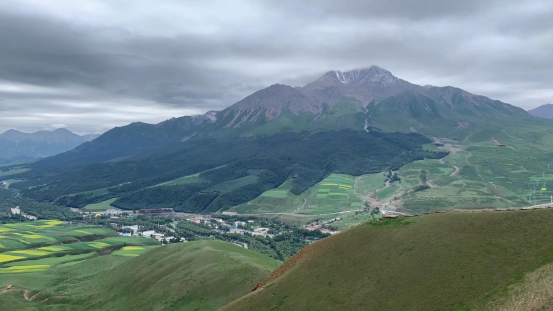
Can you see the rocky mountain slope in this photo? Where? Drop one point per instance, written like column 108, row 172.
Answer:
column 357, row 99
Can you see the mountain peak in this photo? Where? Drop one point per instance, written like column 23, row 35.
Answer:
column 372, row 76
column 363, row 84
column 543, row 111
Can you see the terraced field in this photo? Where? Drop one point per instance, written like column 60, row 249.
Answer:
column 33, row 247
column 334, row 194
column 43, row 233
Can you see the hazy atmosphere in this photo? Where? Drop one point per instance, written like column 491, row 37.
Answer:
column 93, row 65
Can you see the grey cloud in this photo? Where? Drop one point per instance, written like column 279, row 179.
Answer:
column 105, row 68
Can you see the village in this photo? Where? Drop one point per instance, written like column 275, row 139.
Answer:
column 167, row 226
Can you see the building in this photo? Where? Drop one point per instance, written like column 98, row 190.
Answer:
column 260, row 232
column 239, row 223
column 195, row 220
column 16, row 210
column 168, row 212
column 133, row 229
column 236, row 231
column 148, row 233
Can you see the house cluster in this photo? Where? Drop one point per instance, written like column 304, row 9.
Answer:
column 236, row 227
column 111, row 213
column 263, row 232
column 134, row 230
column 17, row 211
column 319, row 225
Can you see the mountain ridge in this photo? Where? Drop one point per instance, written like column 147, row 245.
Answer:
column 356, row 99
column 17, row 146
column 543, row 111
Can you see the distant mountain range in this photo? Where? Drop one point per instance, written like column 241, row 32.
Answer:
column 357, row 100
column 354, row 122
column 16, row 146
column 544, row 111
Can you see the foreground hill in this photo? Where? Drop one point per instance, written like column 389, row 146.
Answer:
column 544, row 111
column 202, row 275
column 16, row 146
column 452, row 261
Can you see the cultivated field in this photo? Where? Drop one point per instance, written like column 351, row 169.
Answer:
column 32, row 254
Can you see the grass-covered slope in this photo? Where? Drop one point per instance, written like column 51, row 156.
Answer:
column 451, row 261
column 202, row 275
column 232, row 171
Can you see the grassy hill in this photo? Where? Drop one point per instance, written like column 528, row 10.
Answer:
column 451, row 261
column 202, row 275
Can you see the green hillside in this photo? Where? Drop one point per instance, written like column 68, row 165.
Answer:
column 231, row 171
column 202, row 275
column 451, row 261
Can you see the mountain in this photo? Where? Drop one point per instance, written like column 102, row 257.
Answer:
column 355, row 122
column 356, row 100
column 544, row 111
column 16, row 146
column 127, row 140
column 448, row 261
column 362, row 84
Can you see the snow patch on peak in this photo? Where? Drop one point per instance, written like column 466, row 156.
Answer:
column 373, row 75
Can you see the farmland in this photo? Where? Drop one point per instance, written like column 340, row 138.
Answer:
column 333, row 194
column 25, row 235
column 201, row 275
column 33, row 253
column 13, row 171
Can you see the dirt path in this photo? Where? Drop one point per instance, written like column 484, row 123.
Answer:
column 475, row 166
column 26, row 293
column 8, row 288
column 455, row 172
column 300, row 207
column 430, row 184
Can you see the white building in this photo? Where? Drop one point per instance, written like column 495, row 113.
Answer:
column 133, row 229
column 239, row 223
column 148, row 233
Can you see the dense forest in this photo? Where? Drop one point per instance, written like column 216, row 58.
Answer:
column 232, row 171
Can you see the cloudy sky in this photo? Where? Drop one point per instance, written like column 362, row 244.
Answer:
column 90, row 65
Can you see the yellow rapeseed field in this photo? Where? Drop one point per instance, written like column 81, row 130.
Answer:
column 52, row 249
column 7, row 258
column 32, row 252
column 98, row 244
column 132, row 248
column 22, row 269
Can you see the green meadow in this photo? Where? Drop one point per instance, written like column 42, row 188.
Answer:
column 102, row 206
column 334, row 194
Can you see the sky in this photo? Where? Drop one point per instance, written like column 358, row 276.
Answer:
column 91, row 65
